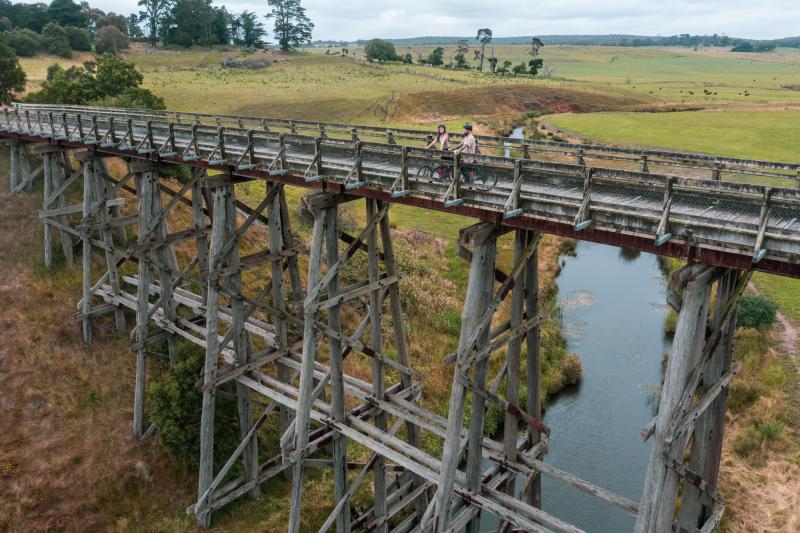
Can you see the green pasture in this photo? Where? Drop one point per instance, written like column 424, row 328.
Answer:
column 772, row 135
column 665, row 74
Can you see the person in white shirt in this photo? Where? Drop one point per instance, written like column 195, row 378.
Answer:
column 469, row 145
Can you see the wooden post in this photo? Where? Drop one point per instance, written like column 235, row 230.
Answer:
column 401, row 347
column 57, row 180
column 200, row 225
column 144, row 183
column 167, row 261
column 533, row 370
column 218, row 230
column 476, row 302
column 288, row 242
column 302, row 417
column 696, row 506
column 657, row 506
column 241, row 342
column 47, row 183
column 86, row 305
column 376, row 342
column 276, row 244
column 104, row 217
column 119, row 232
column 510, row 427
column 338, row 407
column 14, row 164
column 25, row 160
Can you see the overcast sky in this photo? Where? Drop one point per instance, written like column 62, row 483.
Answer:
column 355, row 19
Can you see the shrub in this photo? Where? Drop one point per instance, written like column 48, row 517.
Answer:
column 78, row 39
column 110, row 40
column 571, row 369
column 55, row 40
column 755, row 311
column 770, row 430
column 380, row 50
column 182, row 173
column 451, row 321
column 742, row 395
column 110, row 81
column 25, row 42
column 670, row 321
column 53, row 71
column 747, row 444
column 177, row 406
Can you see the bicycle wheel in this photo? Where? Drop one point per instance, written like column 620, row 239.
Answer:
column 443, row 173
column 425, row 172
column 482, row 180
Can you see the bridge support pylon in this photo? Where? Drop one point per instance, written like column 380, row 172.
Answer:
column 395, row 486
column 477, row 341
column 54, row 208
column 227, row 300
column 692, row 405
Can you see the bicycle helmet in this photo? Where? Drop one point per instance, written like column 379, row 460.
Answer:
column 468, row 127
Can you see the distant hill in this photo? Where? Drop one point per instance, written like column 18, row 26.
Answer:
column 590, row 40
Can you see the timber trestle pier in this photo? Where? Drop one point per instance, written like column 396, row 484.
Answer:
column 279, row 336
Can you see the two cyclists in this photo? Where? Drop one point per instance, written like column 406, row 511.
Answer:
column 468, row 145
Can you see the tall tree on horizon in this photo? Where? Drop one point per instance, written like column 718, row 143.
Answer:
column 536, row 46
column 155, row 17
column 292, row 27
column 484, row 37
column 252, row 30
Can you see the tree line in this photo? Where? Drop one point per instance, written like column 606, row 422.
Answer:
column 200, row 22
column 64, row 26
column 383, row 50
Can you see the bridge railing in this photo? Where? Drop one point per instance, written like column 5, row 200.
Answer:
column 662, row 161
column 743, row 218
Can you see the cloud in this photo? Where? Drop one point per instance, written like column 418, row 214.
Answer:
column 363, row 19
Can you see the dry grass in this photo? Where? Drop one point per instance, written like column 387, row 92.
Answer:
column 759, row 471
column 68, row 462
column 502, row 100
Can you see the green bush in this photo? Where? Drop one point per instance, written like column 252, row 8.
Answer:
column 748, row 443
column 53, row 70
column 25, row 42
column 380, row 50
column 110, row 81
column 176, row 405
column 78, row 39
column 742, row 395
column 110, row 40
column 55, row 40
column 755, row 311
column 571, row 369
column 770, row 430
column 182, row 173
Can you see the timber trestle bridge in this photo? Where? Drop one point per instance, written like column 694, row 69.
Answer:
column 282, row 341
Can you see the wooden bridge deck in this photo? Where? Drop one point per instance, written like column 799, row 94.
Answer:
column 652, row 201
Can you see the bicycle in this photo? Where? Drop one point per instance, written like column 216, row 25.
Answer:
column 475, row 176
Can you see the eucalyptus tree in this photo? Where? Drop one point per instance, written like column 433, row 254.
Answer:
column 484, row 37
